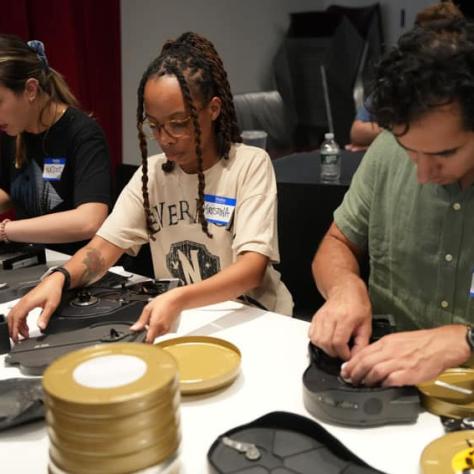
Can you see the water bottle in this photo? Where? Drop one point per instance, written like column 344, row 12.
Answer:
column 330, row 159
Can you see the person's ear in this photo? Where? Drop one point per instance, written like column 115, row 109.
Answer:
column 215, row 106
column 31, row 89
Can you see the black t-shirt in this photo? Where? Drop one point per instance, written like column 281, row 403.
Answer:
column 66, row 166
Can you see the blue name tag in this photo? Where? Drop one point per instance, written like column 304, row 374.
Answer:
column 53, row 168
column 472, row 285
column 218, row 209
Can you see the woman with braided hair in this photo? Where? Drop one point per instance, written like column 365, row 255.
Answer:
column 207, row 204
column 54, row 160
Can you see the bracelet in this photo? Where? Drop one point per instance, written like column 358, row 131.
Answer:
column 67, row 276
column 3, row 233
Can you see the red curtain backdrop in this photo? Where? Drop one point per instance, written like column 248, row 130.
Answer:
column 82, row 42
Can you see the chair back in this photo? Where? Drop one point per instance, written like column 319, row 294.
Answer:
column 266, row 111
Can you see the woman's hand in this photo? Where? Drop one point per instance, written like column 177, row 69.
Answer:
column 235, row 280
column 160, row 314
column 46, row 295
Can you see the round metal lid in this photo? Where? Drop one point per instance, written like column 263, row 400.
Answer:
column 110, row 380
column 450, row 394
column 204, row 363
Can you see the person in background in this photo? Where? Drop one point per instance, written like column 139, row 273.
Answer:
column 444, row 10
column 54, row 160
column 365, row 129
column 410, row 206
column 206, row 205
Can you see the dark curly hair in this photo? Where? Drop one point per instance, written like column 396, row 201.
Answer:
column 431, row 66
column 194, row 61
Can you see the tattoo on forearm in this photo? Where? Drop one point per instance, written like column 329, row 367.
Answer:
column 95, row 266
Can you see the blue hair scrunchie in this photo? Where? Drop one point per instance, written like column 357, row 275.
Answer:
column 38, row 47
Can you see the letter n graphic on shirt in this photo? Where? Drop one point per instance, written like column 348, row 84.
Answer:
column 191, row 262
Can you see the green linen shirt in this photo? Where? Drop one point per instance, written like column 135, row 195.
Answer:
column 420, row 239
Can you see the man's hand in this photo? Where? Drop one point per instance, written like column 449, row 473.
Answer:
column 46, row 295
column 159, row 315
column 354, row 148
column 347, row 313
column 408, row 358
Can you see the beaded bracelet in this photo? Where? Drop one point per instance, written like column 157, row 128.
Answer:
column 3, row 233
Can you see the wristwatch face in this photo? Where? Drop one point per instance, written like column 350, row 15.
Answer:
column 470, row 337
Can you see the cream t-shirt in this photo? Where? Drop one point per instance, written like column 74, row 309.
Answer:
column 240, row 207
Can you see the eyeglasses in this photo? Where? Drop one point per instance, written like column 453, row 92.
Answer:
column 174, row 128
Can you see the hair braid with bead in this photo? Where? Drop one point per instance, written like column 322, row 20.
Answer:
column 195, row 63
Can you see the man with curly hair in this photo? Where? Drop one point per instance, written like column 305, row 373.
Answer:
column 411, row 208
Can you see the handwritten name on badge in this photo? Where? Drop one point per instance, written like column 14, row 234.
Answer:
column 218, row 209
column 53, row 168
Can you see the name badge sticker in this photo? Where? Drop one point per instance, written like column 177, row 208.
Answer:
column 53, row 168
column 218, row 209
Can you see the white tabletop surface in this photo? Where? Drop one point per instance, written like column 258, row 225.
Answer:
column 274, row 357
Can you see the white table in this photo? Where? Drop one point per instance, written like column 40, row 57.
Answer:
column 274, row 356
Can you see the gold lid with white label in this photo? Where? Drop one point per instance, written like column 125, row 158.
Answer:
column 110, row 380
column 112, row 408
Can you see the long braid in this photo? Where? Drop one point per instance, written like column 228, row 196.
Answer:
column 200, row 72
column 197, row 140
column 229, row 129
column 150, row 222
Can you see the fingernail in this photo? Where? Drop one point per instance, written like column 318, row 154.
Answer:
column 344, row 374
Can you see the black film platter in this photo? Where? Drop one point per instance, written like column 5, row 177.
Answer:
column 100, row 303
column 330, row 399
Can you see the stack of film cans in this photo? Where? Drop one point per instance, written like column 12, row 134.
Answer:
column 113, row 409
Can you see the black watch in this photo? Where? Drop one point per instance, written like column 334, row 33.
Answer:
column 470, row 337
column 67, row 276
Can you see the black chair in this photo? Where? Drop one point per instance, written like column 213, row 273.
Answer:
column 266, row 111
column 305, row 212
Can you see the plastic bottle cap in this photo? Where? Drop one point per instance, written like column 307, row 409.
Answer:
column 329, row 136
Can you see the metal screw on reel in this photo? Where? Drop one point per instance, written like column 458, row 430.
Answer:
column 250, row 450
column 457, row 424
column 467, row 423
